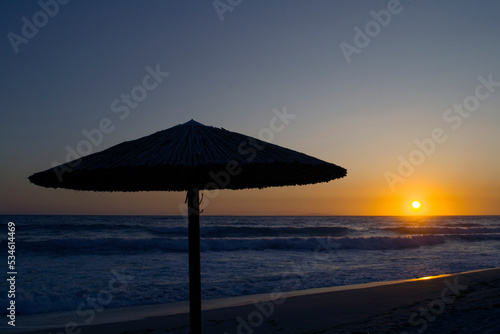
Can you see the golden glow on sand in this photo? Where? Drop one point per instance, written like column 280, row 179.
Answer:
column 432, row 277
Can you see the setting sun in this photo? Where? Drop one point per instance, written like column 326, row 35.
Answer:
column 416, row 205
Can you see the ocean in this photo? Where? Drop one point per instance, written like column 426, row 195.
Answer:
column 69, row 263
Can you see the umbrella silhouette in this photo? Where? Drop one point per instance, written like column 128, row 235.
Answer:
column 190, row 157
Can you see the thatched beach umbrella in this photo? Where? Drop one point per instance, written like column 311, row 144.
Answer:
column 190, row 157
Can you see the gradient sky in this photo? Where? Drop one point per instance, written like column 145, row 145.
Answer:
column 364, row 115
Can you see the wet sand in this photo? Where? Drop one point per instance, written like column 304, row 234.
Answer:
column 459, row 303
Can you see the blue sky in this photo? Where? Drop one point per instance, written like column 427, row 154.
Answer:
column 233, row 73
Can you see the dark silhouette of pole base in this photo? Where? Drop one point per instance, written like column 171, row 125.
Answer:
column 194, row 261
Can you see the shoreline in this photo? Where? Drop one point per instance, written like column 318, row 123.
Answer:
column 299, row 311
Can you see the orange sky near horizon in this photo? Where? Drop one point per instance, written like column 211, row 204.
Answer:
column 364, row 191
column 339, row 197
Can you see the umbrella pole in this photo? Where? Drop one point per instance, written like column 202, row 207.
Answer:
column 194, row 261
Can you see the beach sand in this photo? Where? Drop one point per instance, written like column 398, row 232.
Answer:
column 459, row 303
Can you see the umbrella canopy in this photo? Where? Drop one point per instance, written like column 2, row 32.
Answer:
column 186, row 156
column 190, row 157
